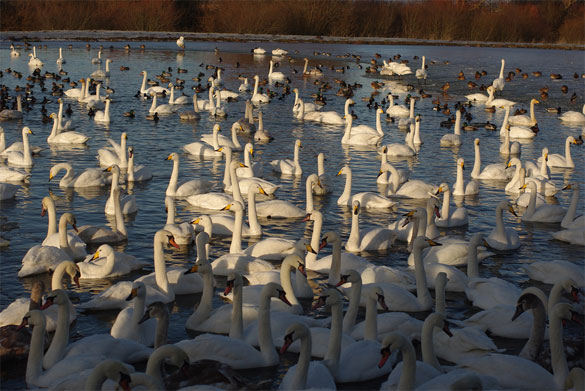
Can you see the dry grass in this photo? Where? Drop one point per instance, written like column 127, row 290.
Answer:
column 520, row 21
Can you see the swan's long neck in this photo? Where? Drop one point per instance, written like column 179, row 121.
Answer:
column 411, row 108
column 54, row 130
column 416, row 137
column 472, row 263
column 505, row 123
column 286, row 283
column 296, row 98
column 236, row 246
column 26, row 149
column 195, row 106
column 459, row 185
column 317, row 218
column 301, row 113
column 446, row 205
column 235, row 184
column 346, row 195
column 57, row 278
column 305, row 67
column 296, row 158
column 354, row 303
column 423, row 63
column 130, row 170
column 477, row 162
column 237, row 322
column 160, row 269
column 394, row 178
column 457, row 129
column 2, row 140
column 170, row 210
column 172, row 97
column 270, row 70
column 115, row 182
column 347, row 132
column 331, row 359
column 120, row 225
column 500, row 230
column 215, row 138
column 227, row 178
column 122, row 153
column 299, row 381
column 255, row 86
column 34, row 364
column 235, row 136
column 428, row 349
column 143, row 86
column 567, row 220
column 506, row 141
column 408, row 367
column 557, row 350
column 431, row 229
column 162, row 327
column 371, row 329
column 532, row 202
column 354, row 236
column 60, row 340
column 379, row 123
column 153, row 104
column 59, row 116
column 346, row 108
column 107, row 111
column 172, row 188
column 543, row 166
column 309, row 193
column 534, row 344
column 265, row 332
column 52, row 215
column 335, row 269
column 63, row 242
column 321, row 164
column 532, row 117
column 568, row 158
column 205, row 306
column 502, row 69
column 422, row 292
column 255, row 227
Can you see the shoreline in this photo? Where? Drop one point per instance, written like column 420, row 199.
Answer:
column 118, row 35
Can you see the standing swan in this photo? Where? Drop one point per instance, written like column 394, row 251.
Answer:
column 499, row 83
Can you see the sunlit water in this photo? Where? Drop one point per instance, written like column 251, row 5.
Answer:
column 153, row 142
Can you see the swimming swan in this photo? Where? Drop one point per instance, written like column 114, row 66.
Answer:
column 367, row 200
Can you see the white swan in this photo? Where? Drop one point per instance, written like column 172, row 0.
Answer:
column 374, row 239
column 502, row 238
column 137, row 173
column 396, row 110
column 128, row 203
column 127, row 324
column 324, row 117
column 524, row 120
column 450, row 218
column 34, row 61
column 500, row 103
column 8, row 174
column 181, row 100
column 100, row 235
column 150, row 90
column 24, row 158
column 412, row 188
column 286, row 209
column 367, row 200
column 96, row 102
column 13, row 52
column 9, row 114
column 275, row 76
column 305, row 374
column 313, row 72
column 499, row 83
column 574, row 117
column 363, row 139
column 53, row 238
column 479, row 98
column 90, row 177
column 453, row 139
column 191, row 115
column 103, row 117
column 574, row 236
column 64, row 138
column 461, row 188
column 76, row 92
column 101, row 74
column 252, row 169
column 518, row 132
column 308, row 106
column 116, row 154
column 398, row 150
column 193, row 186
column 216, row 200
column 545, row 213
column 245, row 86
column 405, row 122
column 204, row 150
column 495, row 171
column 160, row 109
column 421, row 73
column 287, row 166
column 224, row 141
column 558, row 160
column 218, row 110
column 157, row 290
column 106, row 262
column 571, row 220
column 258, row 97
column 551, row 272
column 510, row 148
column 183, row 233
column 368, row 129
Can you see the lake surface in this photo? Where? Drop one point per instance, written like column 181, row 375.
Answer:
column 154, row 141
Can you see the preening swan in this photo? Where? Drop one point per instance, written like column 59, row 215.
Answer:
column 106, row 262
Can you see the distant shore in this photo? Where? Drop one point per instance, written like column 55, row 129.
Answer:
column 103, row 35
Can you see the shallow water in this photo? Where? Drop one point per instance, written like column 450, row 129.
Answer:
column 153, row 142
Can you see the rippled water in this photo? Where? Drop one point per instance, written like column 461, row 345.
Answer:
column 24, row 227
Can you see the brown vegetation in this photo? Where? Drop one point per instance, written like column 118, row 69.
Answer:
column 474, row 20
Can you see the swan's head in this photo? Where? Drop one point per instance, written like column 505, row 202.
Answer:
column 574, row 186
column 461, row 163
column 476, row 142
column 58, row 296
column 298, row 143
column 529, row 299
column 514, row 162
column 391, row 342
column 315, row 215
column 530, row 185
column 350, row 276
column 138, row 290
column 273, row 289
column 236, row 206
column 377, row 294
column 113, row 169
column 26, row 131
column 174, row 355
column 233, row 279
column 441, row 279
column 329, row 237
column 103, row 251
column 295, row 262
column 303, row 245
column 565, row 311
column 329, row 298
column 33, row 318
column 478, row 240
column 164, row 236
column 443, row 188
column 173, row 156
column 438, row 320
column 423, row 242
column 356, row 207
column 379, row 111
column 294, row 332
column 344, row 170
column 69, row 218
column 156, row 310
column 573, row 140
column 236, row 164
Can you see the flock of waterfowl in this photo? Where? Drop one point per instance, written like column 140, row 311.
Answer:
column 275, row 286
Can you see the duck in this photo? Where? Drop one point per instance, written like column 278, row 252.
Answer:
column 193, row 186
column 128, row 203
column 367, row 200
column 376, row 239
column 495, row 171
column 461, row 188
column 106, row 263
column 502, row 238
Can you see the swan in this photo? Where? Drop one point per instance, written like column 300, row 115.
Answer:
column 395, row 110
column 8, row 174
column 363, row 139
column 245, row 86
column 160, row 109
column 8, row 191
column 100, row 235
column 150, row 90
column 306, row 374
column 116, row 154
column 104, row 374
column 471, row 188
column 285, row 209
column 237, row 353
column 405, row 122
column 64, row 138
column 40, row 258
column 480, row 98
column 103, row 117
column 128, row 203
column 218, row 201
column 545, row 187
column 455, row 218
column 34, row 61
column 236, row 260
column 524, row 120
column 96, row 101
column 136, row 173
column 502, row 238
column 261, row 134
column 223, row 141
column 368, row 129
column 204, row 150
column 218, row 110
column 501, row 103
column 509, row 148
column 206, row 104
column 453, row 139
column 558, row 160
column 367, row 200
column 571, row 220
column 24, row 158
column 159, row 290
column 313, row 72
column 275, row 76
column 496, row 171
column 374, row 239
column 8, row 114
column 183, row 233
column 412, row 188
column 520, row 373
column 258, row 97
column 13, row 52
column 324, row 117
column 15, row 311
column 53, row 237
column 181, row 100
column 106, row 262
column 573, row 236
column 287, row 166
column 127, row 324
column 397, row 150
column 100, row 74
column 193, row 186
column 574, row 117
column 499, row 83
column 181, row 43
column 252, row 169
column 279, row 52
column 551, row 272
column 422, row 72
column 90, row 177
column 17, row 146
column 65, row 314
column 98, row 59
column 518, row 132
column 76, row 92
column 545, row 213
column 191, row 115
column 308, row 106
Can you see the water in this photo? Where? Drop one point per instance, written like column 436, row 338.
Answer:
column 153, row 142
